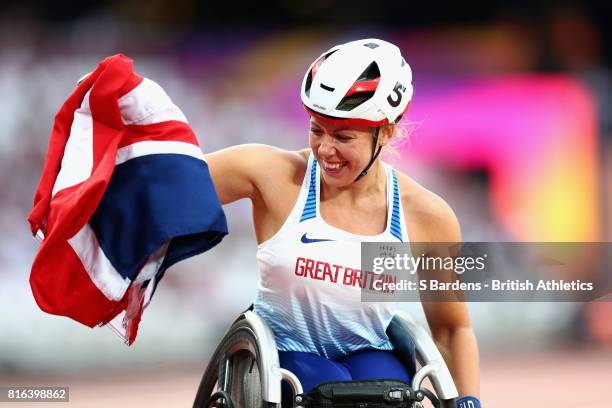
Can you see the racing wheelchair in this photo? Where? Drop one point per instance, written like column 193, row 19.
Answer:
column 244, row 372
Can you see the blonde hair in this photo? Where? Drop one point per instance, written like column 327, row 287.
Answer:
column 401, row 136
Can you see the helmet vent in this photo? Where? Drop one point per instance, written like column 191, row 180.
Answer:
column 350, row 102
column 371, row 45
column 308, row 83
column 403, row 62
column 370, row 73
column 327, row 88
column 313, row 71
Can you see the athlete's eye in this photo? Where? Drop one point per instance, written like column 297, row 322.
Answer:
column 344, row 138
column 315, row 131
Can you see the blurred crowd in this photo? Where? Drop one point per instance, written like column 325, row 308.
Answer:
column 238, row 82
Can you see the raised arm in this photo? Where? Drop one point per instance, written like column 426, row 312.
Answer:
column 236, row 170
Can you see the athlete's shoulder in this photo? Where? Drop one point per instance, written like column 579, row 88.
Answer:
column 285, row 164
column 273, row 166
column 429, row 218
column 266, row 158
column 305, row 153
column 258, row 151
column 241, row 171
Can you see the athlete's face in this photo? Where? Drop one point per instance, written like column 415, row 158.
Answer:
column 343, row 152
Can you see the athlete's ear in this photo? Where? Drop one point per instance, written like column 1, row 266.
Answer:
column 385, row 134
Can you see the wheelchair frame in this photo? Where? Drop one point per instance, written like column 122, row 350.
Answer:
column 250, row 334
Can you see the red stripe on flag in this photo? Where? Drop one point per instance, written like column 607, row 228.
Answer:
column 170, row 131
column 68, row 291
column 118, row 70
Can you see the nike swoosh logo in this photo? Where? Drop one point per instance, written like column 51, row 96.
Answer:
column 307, row 240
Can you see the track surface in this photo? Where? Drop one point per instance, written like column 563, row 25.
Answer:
column 556, row 379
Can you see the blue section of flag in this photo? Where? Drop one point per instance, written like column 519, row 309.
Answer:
column 154, row 199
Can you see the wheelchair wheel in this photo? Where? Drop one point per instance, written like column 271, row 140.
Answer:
column 234, row 368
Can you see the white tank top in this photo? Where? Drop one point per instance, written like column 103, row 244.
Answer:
column 310, row 278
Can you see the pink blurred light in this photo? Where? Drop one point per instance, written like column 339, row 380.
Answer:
column 529, row 132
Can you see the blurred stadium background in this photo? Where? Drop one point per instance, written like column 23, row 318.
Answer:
column 511, row 123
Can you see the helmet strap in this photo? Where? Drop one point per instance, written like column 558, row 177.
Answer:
column 375, row 153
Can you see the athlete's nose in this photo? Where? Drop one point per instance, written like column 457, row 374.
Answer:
column 327, row 148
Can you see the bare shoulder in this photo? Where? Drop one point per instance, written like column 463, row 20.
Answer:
column 242, row 171
column 254, row 154
column 429, row 218
column 273, row 163
column 305, row 153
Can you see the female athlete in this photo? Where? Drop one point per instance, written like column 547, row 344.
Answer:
column 311, row 210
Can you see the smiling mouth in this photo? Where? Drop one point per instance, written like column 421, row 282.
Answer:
column 332, row 166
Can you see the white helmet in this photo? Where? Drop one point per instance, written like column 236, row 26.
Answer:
column 365, row 82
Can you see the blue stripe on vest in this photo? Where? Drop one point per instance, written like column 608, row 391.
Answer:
column 396, row 229
column 309, row 210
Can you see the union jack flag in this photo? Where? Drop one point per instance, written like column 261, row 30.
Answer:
column 125, row 193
